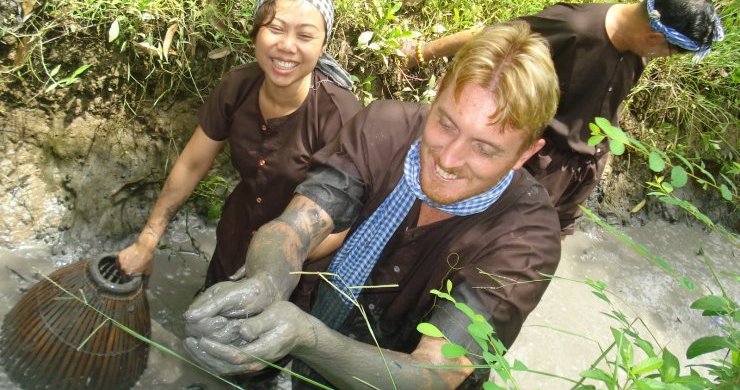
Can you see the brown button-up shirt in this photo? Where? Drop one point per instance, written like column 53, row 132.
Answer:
column 491, row 257
column 594, row 76
column 272, row 156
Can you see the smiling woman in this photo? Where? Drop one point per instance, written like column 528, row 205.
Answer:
column 275, row 113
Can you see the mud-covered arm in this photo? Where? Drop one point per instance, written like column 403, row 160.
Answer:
column 283, row 329
column 277, row 250
column 346, row 363
column 327, row 201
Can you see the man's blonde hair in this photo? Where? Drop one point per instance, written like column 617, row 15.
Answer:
column 515, row 64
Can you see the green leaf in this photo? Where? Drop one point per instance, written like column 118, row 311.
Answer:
column 656, row 162
column 449, row 286
column 671, row 368
column 480, row 330
column 667, row 187
column 624, row 347
column 603, row 123
column 465, row 309
column 645, row 346
column 595, row 139
column 519, row 366
column 453, row 351
column 617, row 134
column 113, row 31
column 648, row 384
column 679, row 177
column 430, row 330
column 599, row 375
column 491, row 386
column 601, row 296
column 616, row 147
column 688, row 284
column 55, row 70
column 726, row 194
column 647, row 365
column 595, row 130
column 714, row 303
column 79, row 71
column 705, row 345
column 489, row 357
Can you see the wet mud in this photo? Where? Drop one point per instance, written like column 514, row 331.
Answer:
column 563, row 336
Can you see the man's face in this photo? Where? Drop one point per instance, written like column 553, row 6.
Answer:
column 462, row 153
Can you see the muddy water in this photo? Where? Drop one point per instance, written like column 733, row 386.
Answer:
column 563, row 336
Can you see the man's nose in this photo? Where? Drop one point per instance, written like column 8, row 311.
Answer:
column 453, row 154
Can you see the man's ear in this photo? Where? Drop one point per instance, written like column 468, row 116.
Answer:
column 529, row 152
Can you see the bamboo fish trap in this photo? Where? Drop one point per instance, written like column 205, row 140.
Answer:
column 53, row 341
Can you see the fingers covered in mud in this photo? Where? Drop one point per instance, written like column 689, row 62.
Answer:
column 242, row 346
column 228, row 299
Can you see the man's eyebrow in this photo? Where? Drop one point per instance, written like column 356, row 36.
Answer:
column 442, row 113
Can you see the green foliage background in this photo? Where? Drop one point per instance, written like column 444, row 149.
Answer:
column 167, row 49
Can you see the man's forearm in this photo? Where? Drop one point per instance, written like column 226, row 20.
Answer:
column 281, row 246
column 346, row 363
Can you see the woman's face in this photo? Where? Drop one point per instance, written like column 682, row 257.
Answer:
column 288, row 47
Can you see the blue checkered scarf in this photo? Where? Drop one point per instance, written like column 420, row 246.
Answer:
column 675, row 37
column 359, row 254
column 327, row 64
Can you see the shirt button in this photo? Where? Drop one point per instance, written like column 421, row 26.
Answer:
column 371, row 306
column 610, row 88
column 396, row 269
column 258, row 200
column 262, row 163
column 264, row 127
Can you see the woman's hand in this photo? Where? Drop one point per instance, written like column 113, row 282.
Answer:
column 137, row 258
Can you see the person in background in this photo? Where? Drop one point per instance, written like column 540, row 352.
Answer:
column 276, row 114
column 432, row 194
column 599, row 50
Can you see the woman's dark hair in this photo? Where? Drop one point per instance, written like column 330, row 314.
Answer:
column 693, row 18
column 264, row 16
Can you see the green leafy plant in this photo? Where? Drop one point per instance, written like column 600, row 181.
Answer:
column 484, row 335
column 66, row 81
column 671, row 171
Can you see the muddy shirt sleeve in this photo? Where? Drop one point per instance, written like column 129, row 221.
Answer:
column 238, row 87
column 349, row 171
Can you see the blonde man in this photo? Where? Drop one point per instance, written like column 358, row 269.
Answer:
column 430, row 194
column 599, row 51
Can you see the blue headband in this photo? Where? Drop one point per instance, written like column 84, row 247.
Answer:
column 675, row 37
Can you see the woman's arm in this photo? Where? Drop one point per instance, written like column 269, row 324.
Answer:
column 194, row 162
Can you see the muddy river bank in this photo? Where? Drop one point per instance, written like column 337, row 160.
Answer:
column 563, row 336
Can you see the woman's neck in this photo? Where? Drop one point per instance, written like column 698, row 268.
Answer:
column 278, row 101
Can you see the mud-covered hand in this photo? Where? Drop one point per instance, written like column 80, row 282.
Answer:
column 237, row 299
column 277, row 331
column 220, row 329
column 136, row 259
